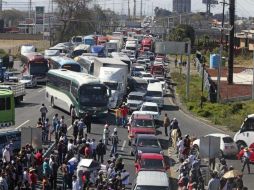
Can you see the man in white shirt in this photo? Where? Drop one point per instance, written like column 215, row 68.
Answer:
column 180, row 146
column 70, row 146
column 75, row 184
column 6, row 155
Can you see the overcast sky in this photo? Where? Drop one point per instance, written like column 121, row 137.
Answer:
column 243, row 7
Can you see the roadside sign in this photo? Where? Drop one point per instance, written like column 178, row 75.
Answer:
column 209, row 147
column 172, row 47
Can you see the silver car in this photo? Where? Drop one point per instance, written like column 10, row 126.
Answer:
column 29, row 81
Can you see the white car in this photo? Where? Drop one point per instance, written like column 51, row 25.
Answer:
column 227, row 145
column 146, row 76
column 151, row 108
column 29, row 81
column 135, row 100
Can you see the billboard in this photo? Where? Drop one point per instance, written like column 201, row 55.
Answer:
column 39, row 15
column 172, row 47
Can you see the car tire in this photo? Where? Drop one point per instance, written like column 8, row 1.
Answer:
column 241, row 143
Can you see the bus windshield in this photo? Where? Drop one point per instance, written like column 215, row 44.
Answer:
column 72, row 67
column 38, row 68
column 93, row 95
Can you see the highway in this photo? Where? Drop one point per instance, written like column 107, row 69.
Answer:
column 27, row 114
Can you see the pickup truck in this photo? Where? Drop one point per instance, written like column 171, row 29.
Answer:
column 17, row 88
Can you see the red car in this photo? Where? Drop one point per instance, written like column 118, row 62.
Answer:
column 151, row 161
column 140, row 123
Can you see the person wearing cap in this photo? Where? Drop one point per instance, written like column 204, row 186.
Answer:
column 246, row 159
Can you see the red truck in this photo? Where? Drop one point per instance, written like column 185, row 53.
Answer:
column 147, row 44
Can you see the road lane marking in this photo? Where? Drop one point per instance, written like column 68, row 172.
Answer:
column 22, row 124
column 124, row 143
column 69, row 128
column 41, row 89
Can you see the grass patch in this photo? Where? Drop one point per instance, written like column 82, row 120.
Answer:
column 228, row 114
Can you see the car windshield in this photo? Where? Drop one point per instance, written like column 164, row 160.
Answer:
column 138, row 69
column 141, row 61
column 150, row 108
column 227, row 140
column 147, row 75
column 153, row 80
column 148, row 142
column 26, row 78
column 144, row 187
column 111, row 85
column 142, row 123
column 38, row 68
column 154, row 93
column 151, row 164
column 135, row 97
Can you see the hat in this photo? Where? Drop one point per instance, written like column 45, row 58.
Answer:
column 246, row 149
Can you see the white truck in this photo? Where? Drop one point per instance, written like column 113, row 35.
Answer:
column 131, row 45
column 113, row 72
column 111, row 47
column 17, row 88
column 123, row 57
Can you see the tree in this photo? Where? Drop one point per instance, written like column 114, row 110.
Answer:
column 12, row 16
column 159, row 12
column 182, row 32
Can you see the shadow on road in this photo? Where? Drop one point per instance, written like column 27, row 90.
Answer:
column 164, row 143
column 26, row 104
column 170, row 108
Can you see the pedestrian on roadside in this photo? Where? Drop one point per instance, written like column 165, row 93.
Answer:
column 53, row 175
column 46, row 168
column 246, row 159
column 114, row 139
column 64, row 171
column 54, row 124
column 75, row 131
column 93, row 148
column 101, row 151
column 88, row 121
column 45, row 130
column 214, row 183
column 75, row 183
column 81, row 127
column 43, row 111
column 45, row 183
column 118, row 116
column 73, row 115
column 166, row 123
column 39, row 123
column 39, row 161
column 125, row 115
column 106, row 132
column 32, row 178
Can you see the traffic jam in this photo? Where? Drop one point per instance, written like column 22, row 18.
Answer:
column 121, row 75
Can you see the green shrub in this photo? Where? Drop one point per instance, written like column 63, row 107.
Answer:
column 236, row 107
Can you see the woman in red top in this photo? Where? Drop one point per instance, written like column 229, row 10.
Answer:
column 33, row 178
column 87, row 152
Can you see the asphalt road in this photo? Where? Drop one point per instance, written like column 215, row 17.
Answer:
column 27, row 114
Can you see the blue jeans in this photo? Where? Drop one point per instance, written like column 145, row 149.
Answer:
column 124, row 120
column 113, row 149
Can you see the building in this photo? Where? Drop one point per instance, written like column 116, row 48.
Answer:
column 182, row 6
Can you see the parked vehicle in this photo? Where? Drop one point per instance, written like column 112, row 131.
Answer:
column 155, row 94
column 140, row 123
column 17, row 88
column 10, row 135
column 245, row 135
column 29, row 80
column 152, row 162
column 152, row 180
column 135, row 100
column 227, row 145
column 7, row 108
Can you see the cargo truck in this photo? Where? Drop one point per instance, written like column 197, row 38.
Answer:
column 17, row 88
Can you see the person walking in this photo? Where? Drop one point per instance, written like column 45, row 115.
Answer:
column 73, row 115
column 44, row 112
column 106, row 132
column 115, row 141
column 166, row 123
column 118, row 116
column 246, row 159
column 81, row 127
column 75, row 131
column 101, row 151
column 88, row 121
column 53, row 175
column 54, row 124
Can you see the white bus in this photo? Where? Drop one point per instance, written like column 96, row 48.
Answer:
column 80, row 91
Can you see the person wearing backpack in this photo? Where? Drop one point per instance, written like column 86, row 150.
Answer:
column 101, row 151
column 114, row 140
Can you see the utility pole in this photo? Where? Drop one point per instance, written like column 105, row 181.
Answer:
column 129, row 11
column 134, row 10
column 1, row 5
column 141, row 7
column 29, row 8
column 231, row 41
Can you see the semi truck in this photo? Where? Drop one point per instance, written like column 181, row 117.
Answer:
column 17, row 88
column 114, row 73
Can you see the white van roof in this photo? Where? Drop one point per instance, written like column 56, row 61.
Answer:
column 152, row 178
column 154, row 87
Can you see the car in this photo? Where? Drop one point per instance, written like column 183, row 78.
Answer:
column 136, row 69
column 151, row 161
column 151, row 180
column 132, row 58
column 140, row 123
column 153, row 80
column 151, row 108
column 148, row 64
column 227, row 145
column 146, row 76
column 145, row 143
column 10, row 76
column 135, row 100
column 29, row 81
column 141, row 62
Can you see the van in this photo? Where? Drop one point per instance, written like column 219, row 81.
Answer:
column 154, row 180
column 155, row 94
column 245, row 136
column 10, row 135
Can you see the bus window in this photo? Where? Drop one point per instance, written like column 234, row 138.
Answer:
column 2, row 103
column 8, row 103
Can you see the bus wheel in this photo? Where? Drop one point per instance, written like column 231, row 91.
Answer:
column 52, row 102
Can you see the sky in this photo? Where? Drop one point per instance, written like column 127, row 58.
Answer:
column 244, row 8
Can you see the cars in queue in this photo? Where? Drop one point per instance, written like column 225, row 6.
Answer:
column 135, row 100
